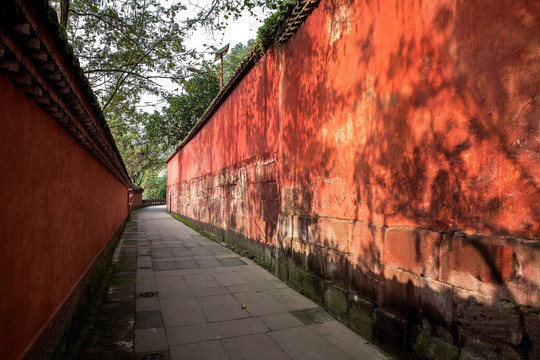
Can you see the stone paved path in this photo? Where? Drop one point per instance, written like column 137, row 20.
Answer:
column 196, row 299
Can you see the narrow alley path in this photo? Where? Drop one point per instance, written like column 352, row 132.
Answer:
column 196, row 299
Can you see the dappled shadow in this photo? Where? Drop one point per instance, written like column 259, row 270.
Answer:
column 428, row 125
column 379, row 116
column 423, row 116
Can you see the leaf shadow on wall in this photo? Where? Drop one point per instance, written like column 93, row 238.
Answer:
column 451, row 143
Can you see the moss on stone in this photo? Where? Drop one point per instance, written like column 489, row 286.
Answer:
column 361, row 319
column 335, row 302
column 313, row 287
column 427, row 347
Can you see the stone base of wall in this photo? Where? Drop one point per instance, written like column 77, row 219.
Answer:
column 56, row 338
column 413, row 292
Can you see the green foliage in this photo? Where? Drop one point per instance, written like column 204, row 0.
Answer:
column 142, row 157
column 155, row 187
column 217, row 13
column 162, row 190
column 235, row 57
column 125, row 46
column 183, row 111
column 273, row 26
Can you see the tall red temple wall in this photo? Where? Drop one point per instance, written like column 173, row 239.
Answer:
column 386, row 160
column 60, row 208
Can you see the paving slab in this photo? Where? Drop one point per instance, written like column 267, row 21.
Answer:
column 303, row 343
column 215, row 331
column 149, row 340
column 196, row 299
column 222, row 307
column 249, row 347
column 204, row 350
column 182, row 313
column 280, row 321
column 258, row 303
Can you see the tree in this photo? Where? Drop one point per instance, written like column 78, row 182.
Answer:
column 127, row 46
column 184, row 110
column 141, row 156
column 234, row 58
column 155, row 188
column 130, row 45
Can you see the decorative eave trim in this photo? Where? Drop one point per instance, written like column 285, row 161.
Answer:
column 38, row 61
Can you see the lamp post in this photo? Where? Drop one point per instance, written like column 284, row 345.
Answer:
column 219, row 55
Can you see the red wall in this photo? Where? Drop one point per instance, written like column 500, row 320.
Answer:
column 60, row 207
column 221, row 177
column 402, row 140
column 137, row 198
column 426, row 114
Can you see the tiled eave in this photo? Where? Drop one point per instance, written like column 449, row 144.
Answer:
column 40, row 62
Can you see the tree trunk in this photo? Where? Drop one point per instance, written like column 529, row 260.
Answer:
column 64, row 12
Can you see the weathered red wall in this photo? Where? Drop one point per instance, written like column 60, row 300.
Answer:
column 137, row 198
column 232, row 182
column 60, row 207
column 406, row 142
column 426, row 114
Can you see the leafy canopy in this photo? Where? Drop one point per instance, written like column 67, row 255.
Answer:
column 183, row 111
column 129, row 48
column 186, row 109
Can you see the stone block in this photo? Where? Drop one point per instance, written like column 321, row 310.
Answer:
column 270, row 210
column 361, row 316
column 329, row 233
column 336, row 267
column 475, row 346
column 426, row 346
column 298, row 253
column 295, row 277
column 526, row 288
column 282, row 268
column 268, row 254
column 297, row 200
column 364, row 279
column 313, row 287
column 532, row 328
column 315, row 258
column 299, row 227
column 412, row 250
column 255, row 208
column 437, row 308
column 261, row 230
column 262, row 173
column 480, row 263
column 390, row 333
column 265, row 191
column 287, row 200
column 365, row 240
column 483, row 316
column 400, row 293
column 284, row 227
column 335, row 302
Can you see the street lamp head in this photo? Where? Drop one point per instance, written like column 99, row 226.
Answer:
column 221, row 52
